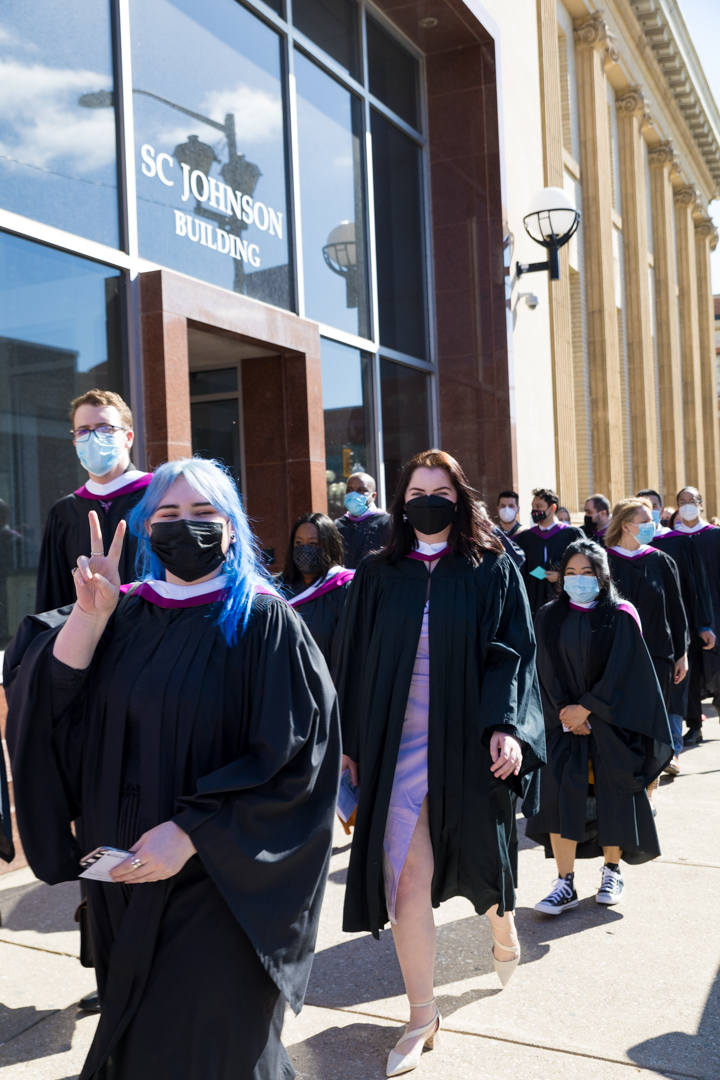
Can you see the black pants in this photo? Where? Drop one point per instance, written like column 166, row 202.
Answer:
column 664, row 669
column 696, row 679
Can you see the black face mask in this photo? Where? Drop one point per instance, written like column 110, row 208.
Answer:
column 308, row 558
column 589, row 523
column 188, row 549
column 538, row 516
column 430, row 514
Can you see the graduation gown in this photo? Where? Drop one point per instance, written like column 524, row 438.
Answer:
column 321, row 608
column 67, row 536
column 651, row 582
column 706, row 542
column 544, row 549
column 240, row 747
column 362, row 535
column 482, row 677
column 629, row 744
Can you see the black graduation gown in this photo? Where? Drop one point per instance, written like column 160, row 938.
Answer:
column 361, row 537
column 482, row 677
column 7, row 848
column 67, row 536
column 240, row 746
column 629, row 745
column 652, row 583
column 516, row 553
column 323, row 618
column 544, row 550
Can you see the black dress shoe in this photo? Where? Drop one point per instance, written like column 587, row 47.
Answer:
column 692, row 738
column 90, row 1003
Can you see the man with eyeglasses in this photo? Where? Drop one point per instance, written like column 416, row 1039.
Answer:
column 102, row 433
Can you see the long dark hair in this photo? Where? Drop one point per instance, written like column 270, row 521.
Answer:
column 330, row 544
column 601, row 617
column 471, row 534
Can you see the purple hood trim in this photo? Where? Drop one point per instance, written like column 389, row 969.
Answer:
column 680, row 532
column 549, row 532
column 134, row 485
column 428, row 558
column 630, row 558
column 146, row 591
column 624, row 605
column 335, row 582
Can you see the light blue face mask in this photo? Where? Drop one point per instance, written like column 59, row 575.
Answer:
column 646, row 532
column 356, row 504
column 99, row 454
column 655, row 516
column 581, row 589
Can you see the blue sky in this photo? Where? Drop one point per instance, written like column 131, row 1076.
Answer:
column 702, row 18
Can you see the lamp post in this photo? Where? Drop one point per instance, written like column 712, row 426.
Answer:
column 340, row 254
column 551, row 221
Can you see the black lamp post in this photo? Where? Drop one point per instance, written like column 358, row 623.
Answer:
column 550, row 221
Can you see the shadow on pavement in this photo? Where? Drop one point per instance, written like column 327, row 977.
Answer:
column 14, row 1022
column 43, row 908
column 695, row 1055
column 343, row 1053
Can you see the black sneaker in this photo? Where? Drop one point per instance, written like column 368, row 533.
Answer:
column 693, row 737
column 561, row 897
column 611, row 887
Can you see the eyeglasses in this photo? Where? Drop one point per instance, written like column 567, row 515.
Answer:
column 103, row 431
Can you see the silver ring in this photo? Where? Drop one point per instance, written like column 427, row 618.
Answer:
column 97, row 553
column 136, row 863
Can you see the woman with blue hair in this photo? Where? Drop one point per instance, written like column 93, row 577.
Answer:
column 190, row 720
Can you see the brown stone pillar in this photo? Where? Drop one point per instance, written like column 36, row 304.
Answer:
column 632, row 116
column 662, row 164
column 594, row 45
column 686, row 199
column 166, row 379
column 706, row 238
column 560, row 316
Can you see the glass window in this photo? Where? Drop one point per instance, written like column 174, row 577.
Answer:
column 57, row 121
column 405, row 418
column 392, row 73
column 347, row 407
column 216, row 431
column 223, row 381
column 333, row 25
column 331, row 200
column 59, row 336
column 399, row 240
column 210, row 145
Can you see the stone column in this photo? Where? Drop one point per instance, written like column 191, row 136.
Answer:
column 662, row 164
column 706, row 238
column 166, row 374
column 633, row 115
column 594, row 50
column 560, row 317
column 686, row 200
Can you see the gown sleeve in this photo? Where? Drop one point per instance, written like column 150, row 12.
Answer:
column 262, row 825
column 555, row 695
column 675, row 608
column 705, row 613
column 352, row 650
column 54, row 583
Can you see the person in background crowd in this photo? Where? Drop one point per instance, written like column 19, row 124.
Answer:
column 608, row 736
column 597, row 518
column 544, row 544
column 202, row 736
column 563, row 514
column 704, row 662
column 666, row 516
column 696, row 598
column 315, row 581
column 441, row 598
column 364, row 527
column 650, row 580
column 516, row 554
column 102, row 431
column 508, row 510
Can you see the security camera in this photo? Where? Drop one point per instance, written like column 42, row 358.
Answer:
column 530, row 299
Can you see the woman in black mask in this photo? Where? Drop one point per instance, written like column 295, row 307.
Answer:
column 191, row 723
column 315, row 581
column 442, row 729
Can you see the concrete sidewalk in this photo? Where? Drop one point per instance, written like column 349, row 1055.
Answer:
column 601, row 994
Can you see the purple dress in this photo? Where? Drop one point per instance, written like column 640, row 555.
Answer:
column 410, row 785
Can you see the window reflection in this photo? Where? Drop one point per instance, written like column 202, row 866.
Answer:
column 399, row 239
column 59, row 336
column 392, row 73
column 405, row 418
column 333, row 25
column 57, row 122
column 208, row 108
column 347, row 405
column 331, row 200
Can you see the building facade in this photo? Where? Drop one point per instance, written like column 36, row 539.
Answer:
column 287, row 233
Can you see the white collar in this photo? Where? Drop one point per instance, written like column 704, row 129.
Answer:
column 682, row 527
column 429, row 549
column 112, row 485
column 624, row 552
column 660, row 530
column 332, row 572
column 590, row 604
column 181, row 592
column 546, row 528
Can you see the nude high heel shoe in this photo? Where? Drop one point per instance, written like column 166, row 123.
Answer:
column 398, row 1062
column 505, row 968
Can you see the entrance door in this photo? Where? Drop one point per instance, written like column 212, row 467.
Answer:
column 215, row 399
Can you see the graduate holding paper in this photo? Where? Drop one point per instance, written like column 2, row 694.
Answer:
column 544, row 545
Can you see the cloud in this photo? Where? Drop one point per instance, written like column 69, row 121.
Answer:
column 258, row 114
column 48, row 127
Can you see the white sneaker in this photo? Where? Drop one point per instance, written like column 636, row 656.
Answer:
column 611, row 887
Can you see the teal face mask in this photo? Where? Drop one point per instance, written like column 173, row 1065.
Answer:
column 655, row 516
column 356, row 504
column 99, row 454
column 646, row 532
column 581, row 589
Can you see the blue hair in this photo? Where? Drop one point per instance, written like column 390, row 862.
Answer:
column 243, row 564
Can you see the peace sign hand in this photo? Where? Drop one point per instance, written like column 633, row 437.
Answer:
column 97, row 579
